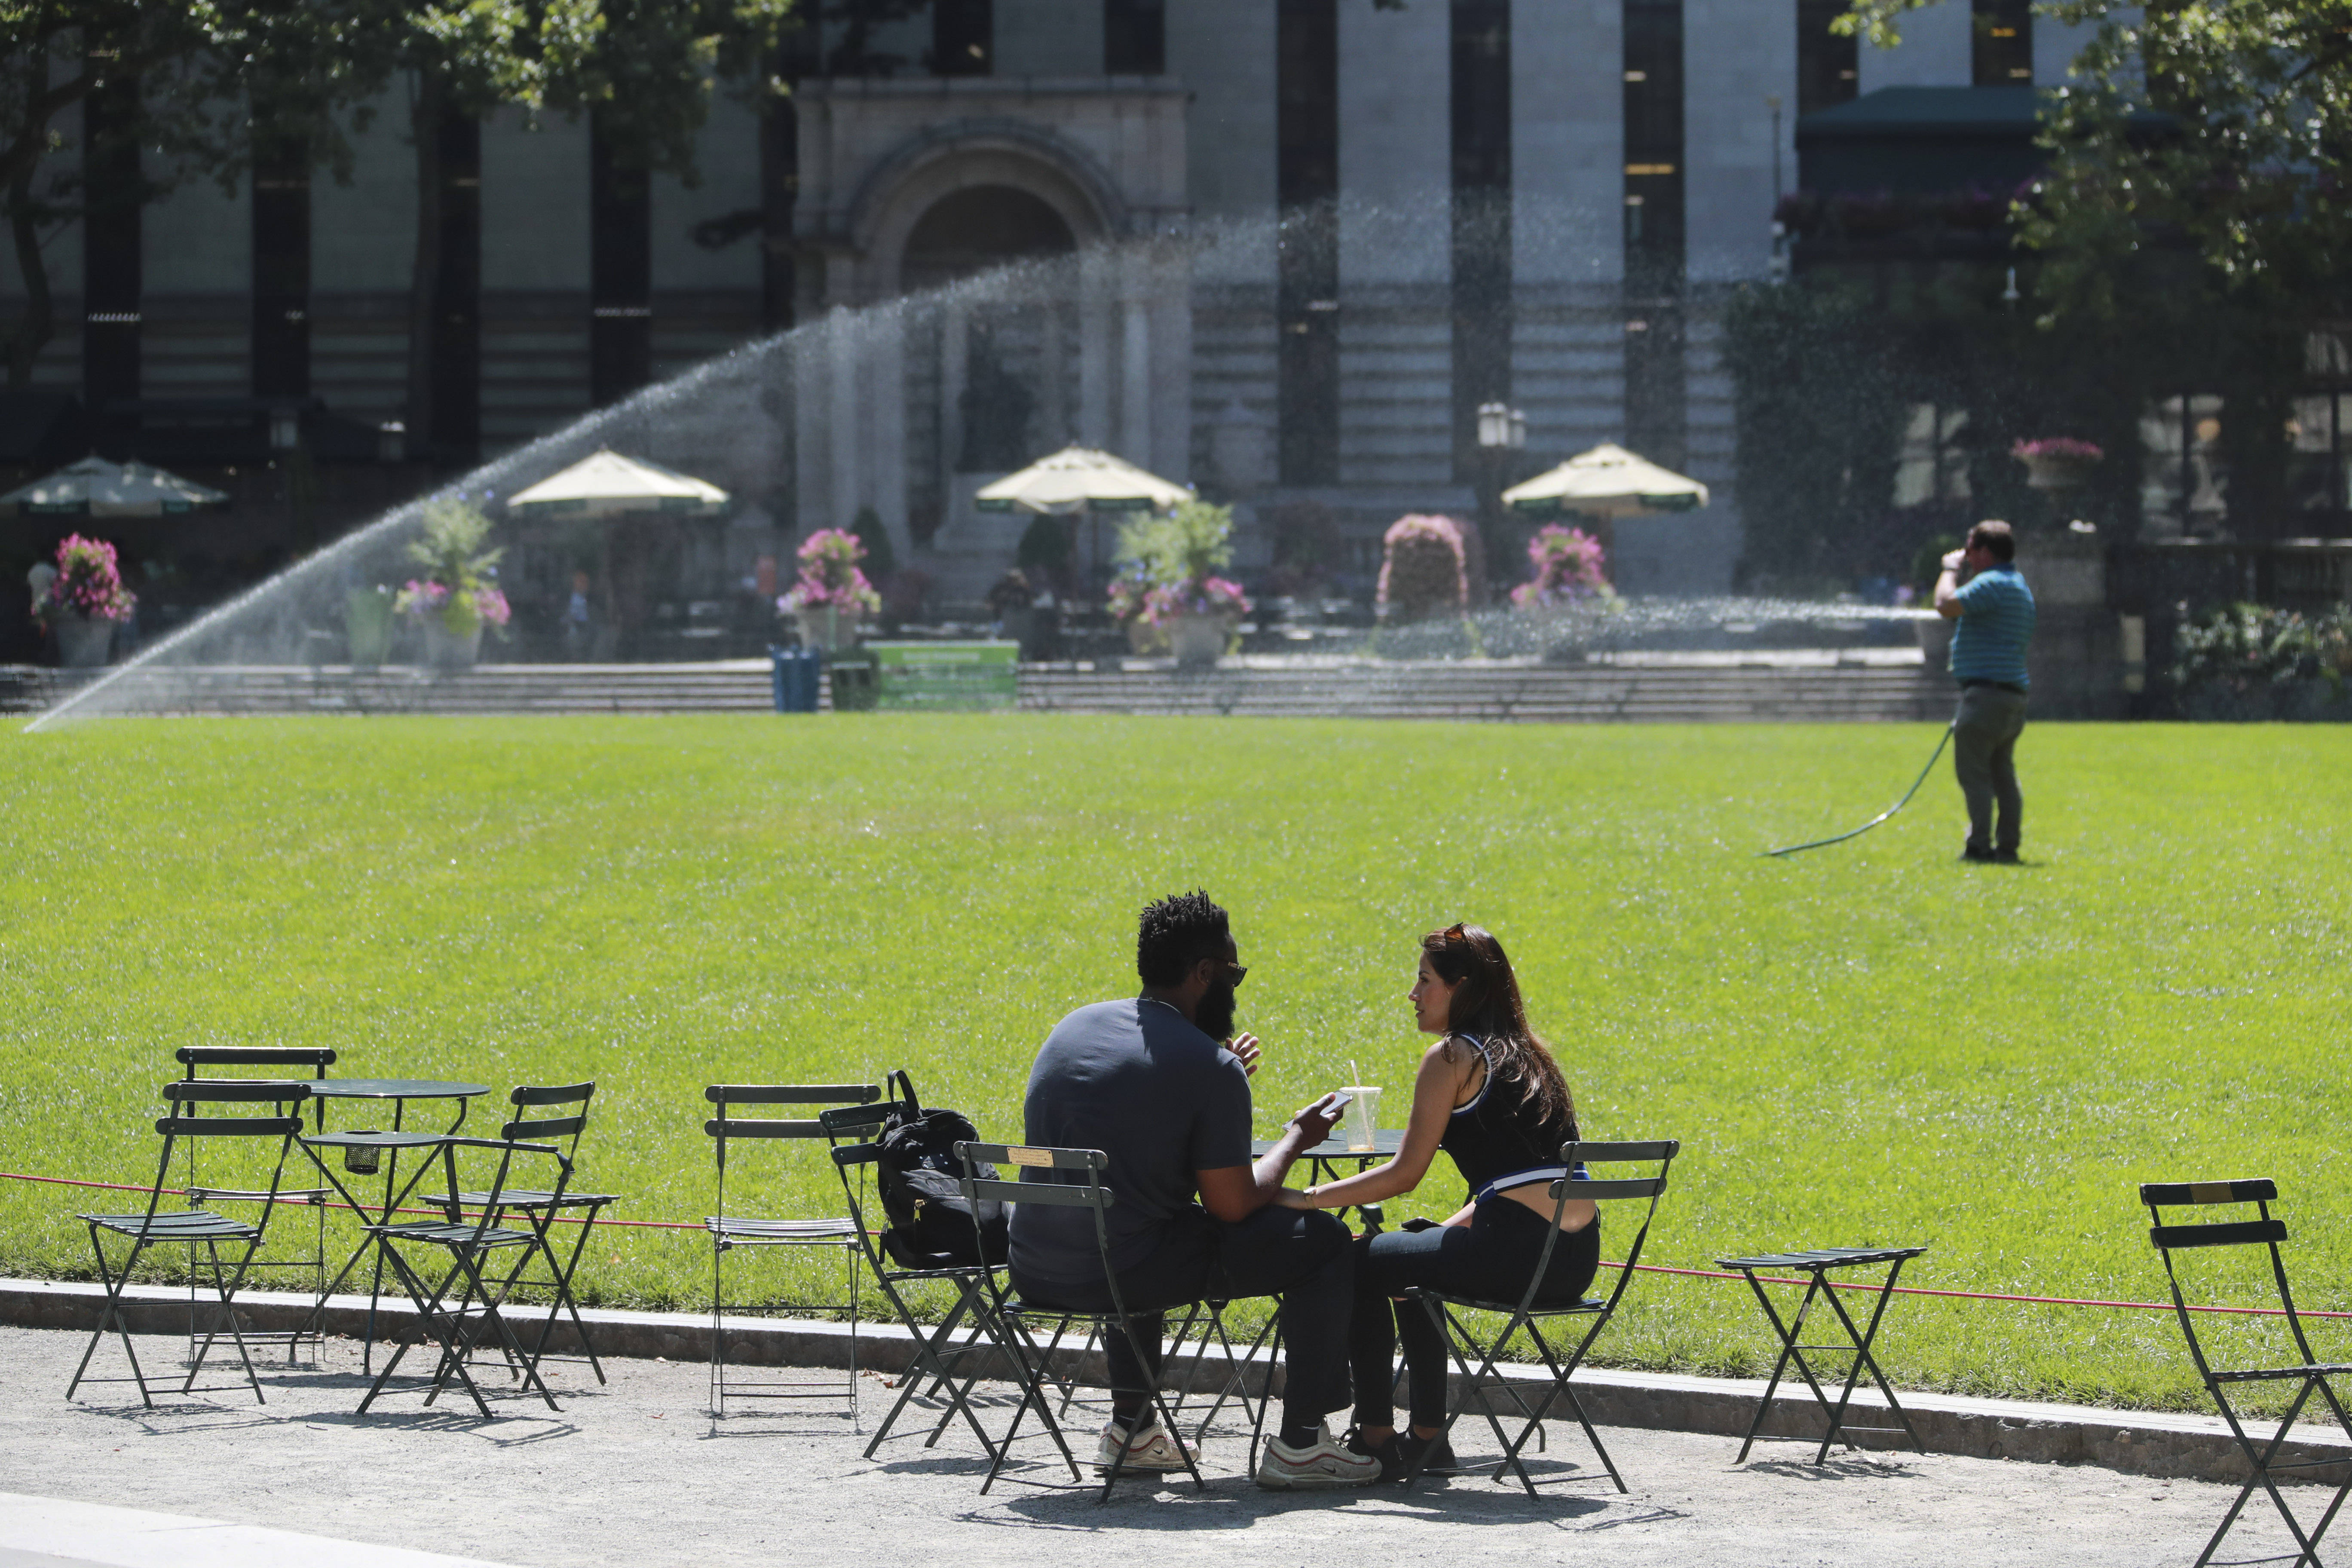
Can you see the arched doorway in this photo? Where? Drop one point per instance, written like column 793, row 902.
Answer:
column 991, row 369
column 977, row 228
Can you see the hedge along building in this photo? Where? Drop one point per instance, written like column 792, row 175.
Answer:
column 1311, row 237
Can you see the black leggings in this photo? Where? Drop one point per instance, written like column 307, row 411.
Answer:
column 1490, row 1258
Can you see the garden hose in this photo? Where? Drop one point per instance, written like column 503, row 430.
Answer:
column 1941, row 742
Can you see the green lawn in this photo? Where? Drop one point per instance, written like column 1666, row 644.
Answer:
column 1868, row 1044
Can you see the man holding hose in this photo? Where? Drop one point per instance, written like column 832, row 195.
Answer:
column 1981, row 589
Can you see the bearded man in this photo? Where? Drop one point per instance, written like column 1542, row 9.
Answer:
column 1159, row 1083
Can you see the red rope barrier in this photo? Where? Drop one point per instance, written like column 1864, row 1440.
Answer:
column 1639, row 1267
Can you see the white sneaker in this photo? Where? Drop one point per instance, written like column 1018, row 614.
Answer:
column 1323, row 1463
column 1153, row 1449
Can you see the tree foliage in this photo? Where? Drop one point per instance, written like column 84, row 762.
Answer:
column 2217, row 128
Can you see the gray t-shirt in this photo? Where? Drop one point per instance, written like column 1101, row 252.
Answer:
column 1140, row 1082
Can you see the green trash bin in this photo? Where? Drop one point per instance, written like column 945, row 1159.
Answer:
column 853, row 682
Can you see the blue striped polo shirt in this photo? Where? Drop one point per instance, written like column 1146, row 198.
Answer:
column 1996, row 622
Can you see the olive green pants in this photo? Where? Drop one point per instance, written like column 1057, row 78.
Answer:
column 1984, row 757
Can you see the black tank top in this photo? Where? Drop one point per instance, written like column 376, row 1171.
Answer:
column 1500, row 1140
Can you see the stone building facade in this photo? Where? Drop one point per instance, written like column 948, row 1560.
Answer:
column 1291, row 245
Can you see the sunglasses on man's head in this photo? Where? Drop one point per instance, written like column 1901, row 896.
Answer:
column 1235, row 974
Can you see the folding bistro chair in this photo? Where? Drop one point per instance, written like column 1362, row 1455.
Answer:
column 2310, row 1373
column 1077, row 1183
column 202, row 1062
column 468, row 1250
column 939, row 1363
column 196, row 1226
column 729, row 1232
column 1463, row 1342
column 542, row 1209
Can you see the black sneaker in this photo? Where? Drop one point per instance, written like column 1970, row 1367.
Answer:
column 1977, row 853
column 1388, row 1451
column 1436, row 1454
column 2005, row 858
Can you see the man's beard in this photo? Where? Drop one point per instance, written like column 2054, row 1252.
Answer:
column 1214, row 1014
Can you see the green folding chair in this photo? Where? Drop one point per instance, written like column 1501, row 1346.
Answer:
column 196, row 1227
column 1464, row 1341
column 1076, row 1181
column 2310, row 1374
column 730, row 1233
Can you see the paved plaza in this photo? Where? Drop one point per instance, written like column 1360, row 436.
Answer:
column 637, row 1473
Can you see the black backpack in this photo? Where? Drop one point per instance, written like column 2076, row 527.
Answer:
column 931, row 1225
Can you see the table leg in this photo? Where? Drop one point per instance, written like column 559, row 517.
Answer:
column 1862, row 1357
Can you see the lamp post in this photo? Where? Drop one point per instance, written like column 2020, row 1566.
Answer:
column 1502, row 430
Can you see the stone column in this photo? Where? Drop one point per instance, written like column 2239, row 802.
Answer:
column 1135, row 379
column 842, row 411
column 955, row 344
column 885, row 478
column 1094, row 350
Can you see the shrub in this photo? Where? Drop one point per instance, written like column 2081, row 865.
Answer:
column 2250, row 646
column 1420, row 569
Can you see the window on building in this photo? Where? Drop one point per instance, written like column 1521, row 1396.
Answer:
column 456, row 434
column 114, row 190
column 1828, row 68
column 1481, row 52
column 1134, row 38
column 1307, row 188
column 964, row 37
column 281, row 267
column 1656, row 405
column 620, row 267
column 2003, row 39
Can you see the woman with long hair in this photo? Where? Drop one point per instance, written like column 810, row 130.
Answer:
column 1491, row 1096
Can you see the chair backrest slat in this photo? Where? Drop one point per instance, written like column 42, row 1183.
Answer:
column 1033, row 1158
column 1631, row 1187
column 2221, row 1233
column 228, row 1126
column 550, row 1126
column 2177, row 1195
column 237, row 1090
column 847, row 1118
column 1087, row 1196
column 793, row 1093
column 1594, row 1154
column 194, row 1056
column 552, row 1094
column 764, row 1127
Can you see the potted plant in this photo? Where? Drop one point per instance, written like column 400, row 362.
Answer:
column 832, row 592
column 2057, row 462
column 1568, row 564
column 85, row 601
column 456, row 597
column 1125, row 603
column 1167, row 581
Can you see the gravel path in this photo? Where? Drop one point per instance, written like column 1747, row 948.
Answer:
column 637, row 1473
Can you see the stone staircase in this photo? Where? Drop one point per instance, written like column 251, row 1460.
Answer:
column 1800, row 687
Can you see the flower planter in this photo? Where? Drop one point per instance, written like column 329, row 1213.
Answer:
column 828, row 626
column 2057, row 471
column 448, row 652
column 1144, row 639
column 84, row 641
column 1198, row 641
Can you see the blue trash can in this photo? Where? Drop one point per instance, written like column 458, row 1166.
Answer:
column 796, row 676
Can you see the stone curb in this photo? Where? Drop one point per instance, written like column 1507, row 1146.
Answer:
column 2146, row 1442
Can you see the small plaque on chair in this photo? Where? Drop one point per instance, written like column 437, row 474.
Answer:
column 1030, row 1157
